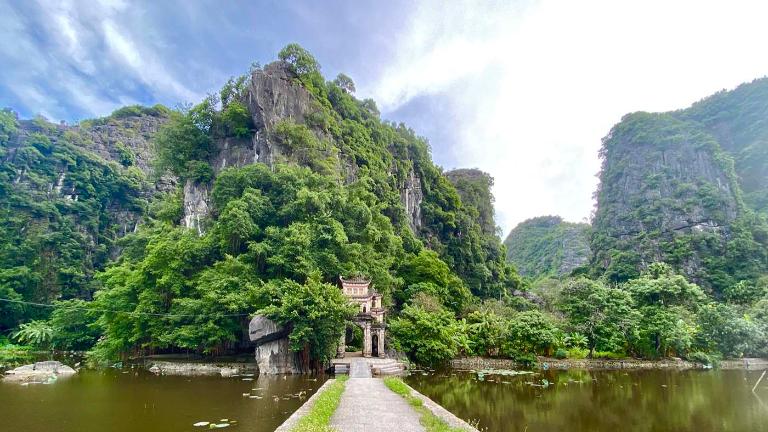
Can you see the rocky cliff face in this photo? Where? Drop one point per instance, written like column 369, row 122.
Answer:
column 548, row 246
column 738, row 120
column 275, row 95
column 669, row 192
column 272, row 95
column 69, row 192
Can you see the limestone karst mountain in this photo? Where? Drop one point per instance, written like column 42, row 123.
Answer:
column 548, row 246
column 687, row 187
column 72, row 193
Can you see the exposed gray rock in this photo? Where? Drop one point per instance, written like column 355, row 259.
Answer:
column 195, row 205
column 663, row 178
column 273, row 95
column 275, row 357
column 200, row 369
column 273, row 353
column 262, row 329
column 411, row 196
column 40, row 372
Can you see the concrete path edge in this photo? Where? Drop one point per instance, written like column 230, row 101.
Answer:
column 443, row 413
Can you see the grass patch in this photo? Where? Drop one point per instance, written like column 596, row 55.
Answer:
column 431, row 422
column 319, row 415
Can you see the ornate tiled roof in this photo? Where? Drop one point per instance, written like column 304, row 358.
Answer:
column 356, row 280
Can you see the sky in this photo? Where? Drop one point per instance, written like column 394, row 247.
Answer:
column 524, row 90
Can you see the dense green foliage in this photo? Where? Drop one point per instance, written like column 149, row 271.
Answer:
column 737, row 119
column 83, row 231
column 277, row 237
column 686, row 205
column 658, row 314
column 62, row 207
column 316, row 313
column 547, row 246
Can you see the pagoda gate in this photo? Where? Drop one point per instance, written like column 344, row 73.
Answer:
column 369, row 317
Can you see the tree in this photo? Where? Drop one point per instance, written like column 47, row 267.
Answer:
column 487, row 332
column 723, row 329
column 430, row 338
column 604, row 315
column 73, row 324
column 426, row 272
column 36, row 333
column 237, row 120
column 182, row 145
column 300, row 60
column 667, row 303
column 316, row 313
column 531, row 332
column 345, row 83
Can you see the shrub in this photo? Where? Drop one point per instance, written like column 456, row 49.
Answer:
column 577, row 353
column 609, row 355
column 703, row 358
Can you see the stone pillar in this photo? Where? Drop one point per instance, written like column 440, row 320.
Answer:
column 367, row 340
column 381, row 343
column 341, row 349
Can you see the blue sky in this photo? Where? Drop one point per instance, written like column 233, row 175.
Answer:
column 524, row 90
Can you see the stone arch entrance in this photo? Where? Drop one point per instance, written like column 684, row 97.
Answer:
column 375, row 345
column 369, row 317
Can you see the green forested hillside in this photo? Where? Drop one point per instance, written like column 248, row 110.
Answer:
column 738, row 120
column 547, row 246
column 163, row 231
column 328, row 202
column 66, row 195
column 670, row 191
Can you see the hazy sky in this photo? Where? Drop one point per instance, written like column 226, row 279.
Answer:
column 524, row 90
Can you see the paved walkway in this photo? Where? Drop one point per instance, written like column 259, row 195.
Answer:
column 368, row 405
column 359, row 368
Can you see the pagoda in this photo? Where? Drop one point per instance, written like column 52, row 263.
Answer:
column 369, row 317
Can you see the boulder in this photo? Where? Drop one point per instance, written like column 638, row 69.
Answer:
column 273, row 353
column 199, row 369
column 262, row 329
column 40, row 372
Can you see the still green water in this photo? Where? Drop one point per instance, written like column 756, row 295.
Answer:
column 139, row 401
column 595, row 401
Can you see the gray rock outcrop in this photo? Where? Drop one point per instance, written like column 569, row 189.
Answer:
column 273, row 95
column 411, row 197
column 195, row 205
column 199, row 369
column 664, row 183
column 273, row 353
column 40, row 372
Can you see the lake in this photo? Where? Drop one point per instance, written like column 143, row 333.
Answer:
column 134, row 400
column 594, row 401
column 574, row 400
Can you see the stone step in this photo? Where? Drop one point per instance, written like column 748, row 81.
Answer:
column 340, row 368
column 389, row 368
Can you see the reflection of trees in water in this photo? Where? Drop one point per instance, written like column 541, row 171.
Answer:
column 579, row 400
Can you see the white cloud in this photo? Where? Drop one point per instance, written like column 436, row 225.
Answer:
column 59, row 54
column 143, row 63
column 535, row 86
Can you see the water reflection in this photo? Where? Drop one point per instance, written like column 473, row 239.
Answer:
column 138, row 401
column 578, row 400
